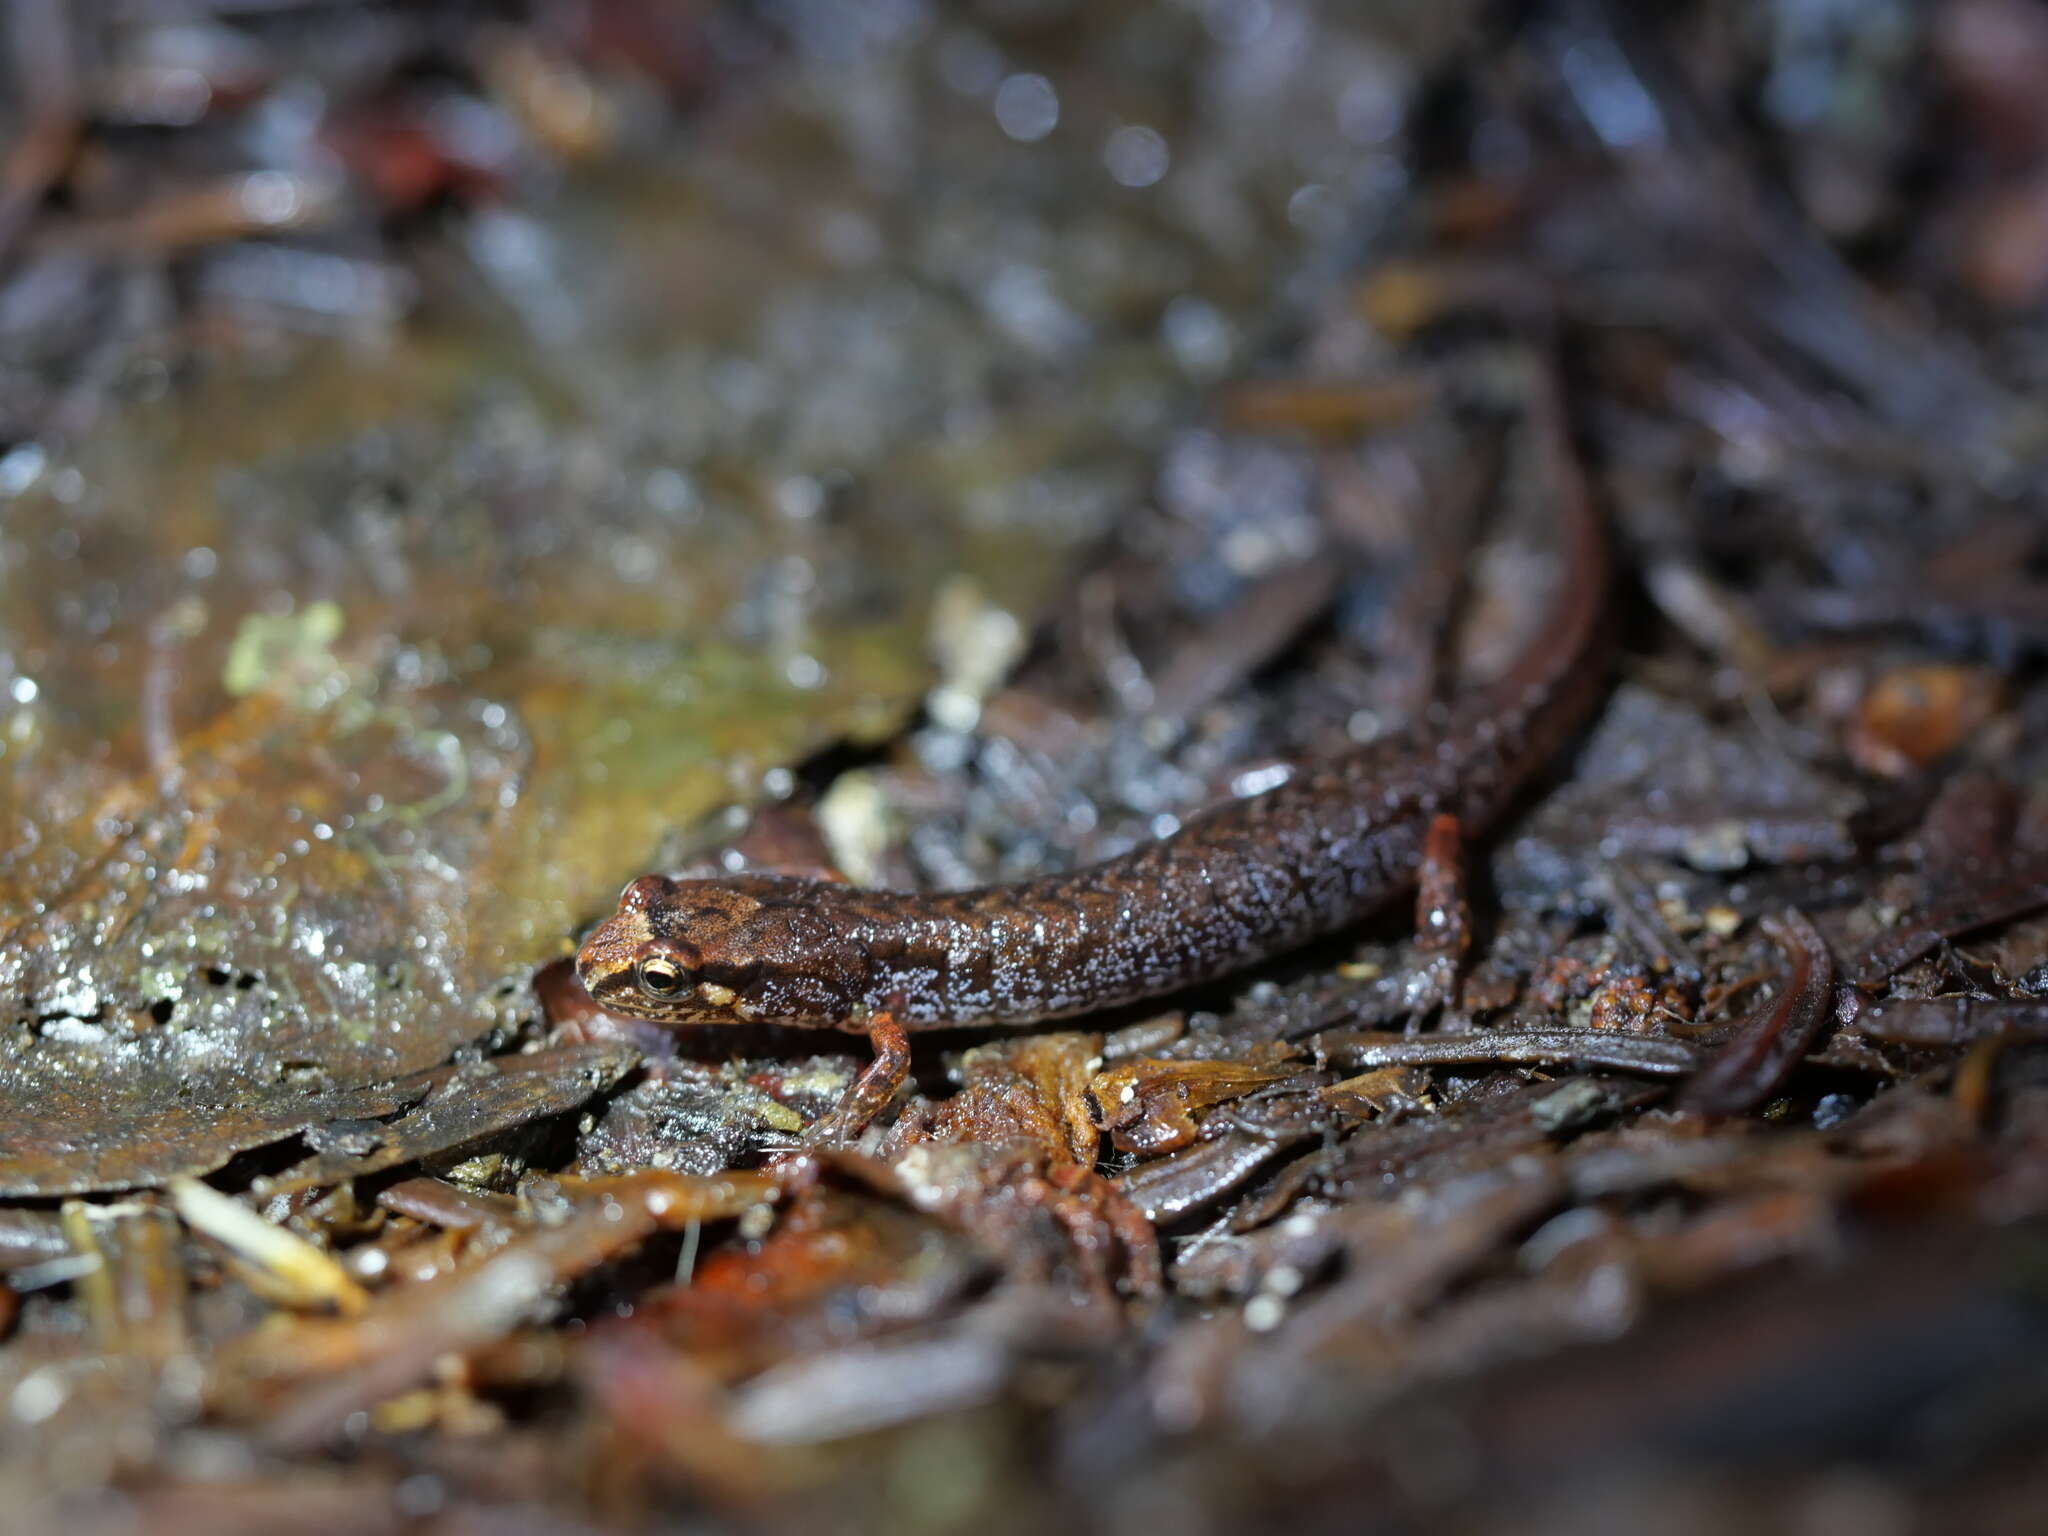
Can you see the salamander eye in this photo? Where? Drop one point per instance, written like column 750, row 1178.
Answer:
column 658, row 978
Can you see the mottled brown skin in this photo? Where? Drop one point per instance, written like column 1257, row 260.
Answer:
column 1237, row 884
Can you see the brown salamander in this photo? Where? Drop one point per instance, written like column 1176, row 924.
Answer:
column 1238, row 883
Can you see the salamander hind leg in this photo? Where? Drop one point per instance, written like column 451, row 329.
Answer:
column 1443, row 918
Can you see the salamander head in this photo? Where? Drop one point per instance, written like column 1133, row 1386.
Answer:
column 744, row 950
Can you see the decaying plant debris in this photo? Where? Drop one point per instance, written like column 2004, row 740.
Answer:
column 450, row 463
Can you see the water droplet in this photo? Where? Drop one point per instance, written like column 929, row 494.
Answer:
column 1136, row 156
column 1027, row 107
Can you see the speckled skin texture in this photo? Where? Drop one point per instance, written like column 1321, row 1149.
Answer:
column 1238, row 883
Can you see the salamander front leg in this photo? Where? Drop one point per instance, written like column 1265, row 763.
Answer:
column 871, row 1091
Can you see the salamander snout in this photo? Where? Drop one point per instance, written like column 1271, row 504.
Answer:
column 665, row 954
column 749, row 948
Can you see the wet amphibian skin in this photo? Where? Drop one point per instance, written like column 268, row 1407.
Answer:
column 1241, row 882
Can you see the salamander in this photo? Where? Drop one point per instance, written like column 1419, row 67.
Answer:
column 1238, row 883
